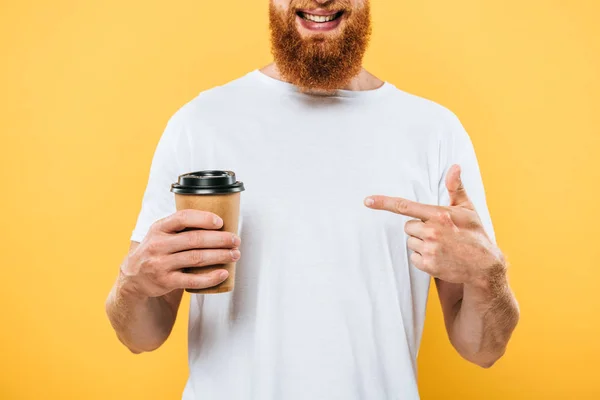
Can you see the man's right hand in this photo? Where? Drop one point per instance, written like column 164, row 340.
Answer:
column 155, row 267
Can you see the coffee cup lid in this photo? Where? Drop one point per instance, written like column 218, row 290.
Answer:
column 207, row 182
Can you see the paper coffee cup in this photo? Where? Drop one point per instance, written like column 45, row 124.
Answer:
column 217, row 192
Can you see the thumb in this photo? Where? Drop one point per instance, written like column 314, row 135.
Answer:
column 456, row 190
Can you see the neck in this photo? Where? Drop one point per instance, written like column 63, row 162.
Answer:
column 363, row 81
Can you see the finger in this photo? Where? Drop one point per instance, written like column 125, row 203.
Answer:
column 402, row 206
column 202, row 258
column 416, row 228
column 189, row 218
column 415, row 244
column 417, row 260
column 200, row 239
column 184, row 280
column 421, row 263
column 456, row 190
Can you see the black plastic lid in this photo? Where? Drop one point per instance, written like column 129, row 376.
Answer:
column 207, row 182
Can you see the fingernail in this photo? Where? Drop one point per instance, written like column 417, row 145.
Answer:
column 369, row 201
column 218, row 221
column 223, row 275
column 235, row 254
column 235, row 240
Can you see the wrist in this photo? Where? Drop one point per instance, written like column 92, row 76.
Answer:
column 126, row 286
column 492, row 279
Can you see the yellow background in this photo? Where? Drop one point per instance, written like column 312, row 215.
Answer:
column 86, row 90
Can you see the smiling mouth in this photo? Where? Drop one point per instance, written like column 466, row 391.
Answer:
column 319, row 19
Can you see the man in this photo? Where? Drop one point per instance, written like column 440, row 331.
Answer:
column 330, row 294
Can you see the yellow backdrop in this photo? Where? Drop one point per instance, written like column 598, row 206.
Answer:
column 86, row 90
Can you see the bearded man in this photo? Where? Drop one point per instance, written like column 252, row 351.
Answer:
column 357, row 194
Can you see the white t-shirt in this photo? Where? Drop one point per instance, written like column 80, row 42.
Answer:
column 327, row 304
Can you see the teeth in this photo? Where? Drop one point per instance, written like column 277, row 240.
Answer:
column 319, row 18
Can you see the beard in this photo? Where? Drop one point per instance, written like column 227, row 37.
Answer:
column 321, row 61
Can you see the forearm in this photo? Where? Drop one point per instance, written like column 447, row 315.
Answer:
column 141, row 323
column 485, row 319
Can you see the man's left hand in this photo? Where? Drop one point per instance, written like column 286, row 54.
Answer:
column 448, row 243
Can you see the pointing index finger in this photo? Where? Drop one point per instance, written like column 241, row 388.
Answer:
column 402, row 206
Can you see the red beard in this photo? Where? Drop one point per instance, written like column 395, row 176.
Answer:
column 319, row 61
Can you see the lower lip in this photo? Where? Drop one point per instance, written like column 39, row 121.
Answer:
column 320, row 26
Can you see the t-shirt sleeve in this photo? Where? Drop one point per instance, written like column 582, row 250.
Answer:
column 171, row 159
column 459, row 150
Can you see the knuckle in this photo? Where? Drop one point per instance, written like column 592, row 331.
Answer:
column 414, row 257
column 443, row 215
column 182, row 216
column 192, row 281
column 177, row 219
column 196, row 257
column 414, row 243
column 149, row 265
column 427, row 264
column 191, row 241
column 432, row 234
column 401, row 206
column 222, row 239
column 161, row 279
column 154, row 227
column 201, row 281
column 152, row 246
column 475, row 223
column 157, row 265
column 227, row 239
column 197, row 240
column 427, row 261
column 431, row 249
column 152, row 269
column 215, row 278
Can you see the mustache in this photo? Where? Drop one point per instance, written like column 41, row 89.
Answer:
column 339, row 5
